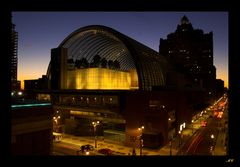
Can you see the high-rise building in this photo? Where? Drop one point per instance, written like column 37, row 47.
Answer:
column 191, row 52
column 14, row 40
column 14, row 59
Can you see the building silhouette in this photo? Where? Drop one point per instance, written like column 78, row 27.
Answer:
column 191, row 52
column 31, row 127
column 14, row 59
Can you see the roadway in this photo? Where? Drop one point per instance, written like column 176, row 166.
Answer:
column 201, row 142
column 209, row 140
column 196, row 140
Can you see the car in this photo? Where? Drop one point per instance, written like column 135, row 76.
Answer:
column 105, row 151
column 204, row 124
column 86, row 148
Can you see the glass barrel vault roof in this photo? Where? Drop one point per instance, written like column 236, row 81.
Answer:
column 110, row 44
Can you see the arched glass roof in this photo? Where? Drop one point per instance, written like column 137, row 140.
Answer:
column 86, row 44
column 112, row 45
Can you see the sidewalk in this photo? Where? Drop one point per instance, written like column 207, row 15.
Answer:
column 220, row 148
column 120, row 149
column 167, row 150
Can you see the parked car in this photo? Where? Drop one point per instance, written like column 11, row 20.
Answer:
column 105, row 151
column 86, row 148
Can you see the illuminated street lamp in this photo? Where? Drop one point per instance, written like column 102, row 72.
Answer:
column 55, row 119
column 211, row 148
column 192, row 126
column 141, row 139
column 95, row 124
column 180, row 137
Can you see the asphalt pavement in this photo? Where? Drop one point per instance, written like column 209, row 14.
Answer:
column 167, row 150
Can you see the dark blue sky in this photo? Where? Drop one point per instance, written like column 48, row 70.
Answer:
column 39, row 32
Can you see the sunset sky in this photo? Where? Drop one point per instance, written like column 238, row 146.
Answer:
column 39, row 32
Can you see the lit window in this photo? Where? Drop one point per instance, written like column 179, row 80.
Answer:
column 101, row 78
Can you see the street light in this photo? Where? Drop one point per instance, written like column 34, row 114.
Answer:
column 211, row 148
column 170, row 143
column 180, row 137
column 141, row 139
column 56, row 124
column 94, row 131
column 192, row 126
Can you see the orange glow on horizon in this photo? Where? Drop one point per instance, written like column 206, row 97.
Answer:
column 28, row 77
column 32, row 74
column 223, row 76
column 22, row 81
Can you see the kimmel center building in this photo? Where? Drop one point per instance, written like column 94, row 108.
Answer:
column 100, row 74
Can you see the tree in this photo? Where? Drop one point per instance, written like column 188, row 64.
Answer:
column 110, row 64
column 96, row 61
column 77, row 63
column 84, row 63
column 116, row 64
column 104, row 63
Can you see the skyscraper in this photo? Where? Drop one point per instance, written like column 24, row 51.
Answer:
column 14, row 59
column 191, row 52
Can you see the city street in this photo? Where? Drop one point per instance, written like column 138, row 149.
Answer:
column 194, row 140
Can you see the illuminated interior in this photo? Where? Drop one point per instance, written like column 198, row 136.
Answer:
column 102, row 78
column 136, row 67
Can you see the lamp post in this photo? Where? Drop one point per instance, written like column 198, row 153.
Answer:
column 180, row 137
column 211, row 149
column 192, row 126
column 170, row 143
column 94, row 132
column 56, row 123
column 141, row 139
